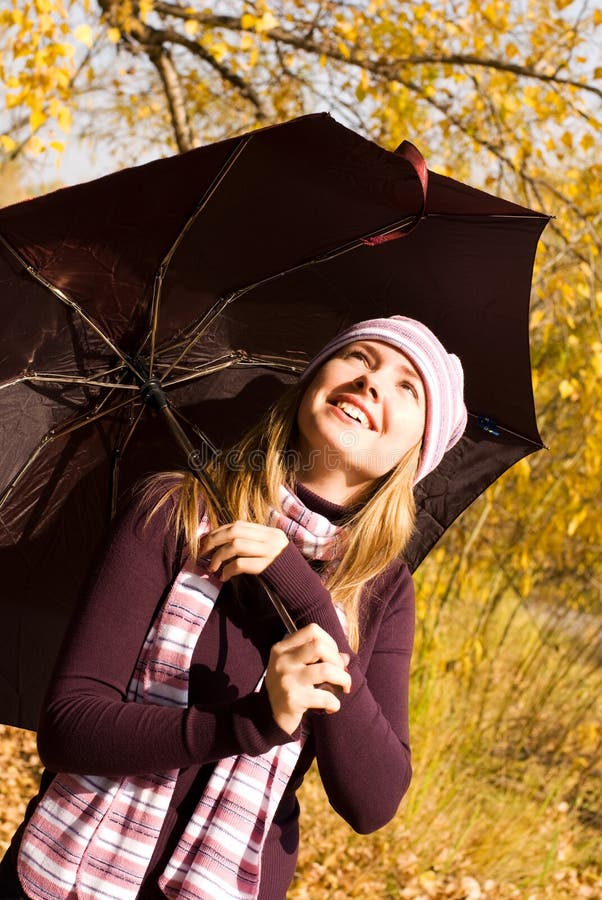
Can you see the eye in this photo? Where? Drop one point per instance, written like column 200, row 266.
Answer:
column 409, row 386
column 358, row 354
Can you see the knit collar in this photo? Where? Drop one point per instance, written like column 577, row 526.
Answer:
column 332, row 511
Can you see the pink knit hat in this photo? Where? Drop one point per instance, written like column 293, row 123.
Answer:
column 441, row 374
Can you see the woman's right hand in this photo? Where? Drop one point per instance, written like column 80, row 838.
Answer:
column 299, row 663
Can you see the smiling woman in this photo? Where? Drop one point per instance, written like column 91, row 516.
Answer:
column 181, row 718
column 421, row 366
column 362, row 413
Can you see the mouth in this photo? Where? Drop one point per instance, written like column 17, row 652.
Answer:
column 354, row 412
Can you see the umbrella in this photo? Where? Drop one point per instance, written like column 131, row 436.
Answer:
column 203, row 283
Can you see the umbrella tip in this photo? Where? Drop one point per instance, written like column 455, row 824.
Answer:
column 414, row 157
column 489, row 425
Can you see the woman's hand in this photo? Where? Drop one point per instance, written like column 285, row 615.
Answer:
column 299, row 663
column 242, row 548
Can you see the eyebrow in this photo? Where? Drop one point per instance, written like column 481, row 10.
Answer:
column 404, row 368
column 410, row 372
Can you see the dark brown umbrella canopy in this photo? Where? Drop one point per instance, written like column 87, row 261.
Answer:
column 224, row 270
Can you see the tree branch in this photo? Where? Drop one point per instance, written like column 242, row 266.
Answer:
column 171, row 36
column 384, row 67
column 142, row 37
column 176, row 102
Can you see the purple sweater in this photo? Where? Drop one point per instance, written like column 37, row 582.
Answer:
column 362, row 751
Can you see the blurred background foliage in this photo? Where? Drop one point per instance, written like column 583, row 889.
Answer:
column 506, row 94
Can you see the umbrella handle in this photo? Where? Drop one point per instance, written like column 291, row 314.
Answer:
column 290, row 626
column 278, row 606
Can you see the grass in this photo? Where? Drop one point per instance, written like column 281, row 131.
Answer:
column 506, row 799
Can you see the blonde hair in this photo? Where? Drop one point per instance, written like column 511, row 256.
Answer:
column 378, row 527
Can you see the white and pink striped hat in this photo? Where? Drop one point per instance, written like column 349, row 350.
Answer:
column 441, row 374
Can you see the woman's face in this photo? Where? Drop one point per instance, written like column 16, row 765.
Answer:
column 361, row 413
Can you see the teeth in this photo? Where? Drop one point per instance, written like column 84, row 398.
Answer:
column 355, row 413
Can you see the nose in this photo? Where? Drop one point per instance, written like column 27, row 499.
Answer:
column 366, row 382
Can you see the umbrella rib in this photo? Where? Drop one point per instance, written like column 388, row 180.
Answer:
column 160, row 275
column 49, row 377
column 328, row 255
column 118, row 452
column 68, row 301
column 200, row 434
column 494, row 427
column 102, row 402
column 54, row 433
column 238, row 358
column 479, row 215
column 200, row 329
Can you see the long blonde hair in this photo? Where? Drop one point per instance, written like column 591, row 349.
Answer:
column 249, row 477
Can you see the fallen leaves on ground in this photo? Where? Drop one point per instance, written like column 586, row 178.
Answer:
column 334, row 863
column 20, row 770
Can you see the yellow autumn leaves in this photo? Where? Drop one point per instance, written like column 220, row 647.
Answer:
column 470, row 76
column 36, row 66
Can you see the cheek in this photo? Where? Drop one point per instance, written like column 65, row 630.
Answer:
column 421, row 422
column 305, row 412
column 302, row 418
column 408, row 427
column 315, row 394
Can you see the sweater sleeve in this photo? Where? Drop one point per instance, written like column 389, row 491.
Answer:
column 362, row 751
column 87, row 725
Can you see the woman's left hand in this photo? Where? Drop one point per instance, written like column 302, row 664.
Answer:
column 242, row 548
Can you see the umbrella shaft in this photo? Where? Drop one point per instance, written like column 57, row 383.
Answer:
column 152, row 392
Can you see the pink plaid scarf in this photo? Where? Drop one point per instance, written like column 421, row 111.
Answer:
column 92, row 836
column 314, row 535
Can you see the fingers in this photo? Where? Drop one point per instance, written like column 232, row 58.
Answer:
column 233, row 549
column 242, row 547
column 314, row 654
column 309, row 645
column 241, row 529
column 300, row 667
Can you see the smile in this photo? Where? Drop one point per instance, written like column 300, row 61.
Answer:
column 353, row 412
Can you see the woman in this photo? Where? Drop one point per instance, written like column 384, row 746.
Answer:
column 182, row 775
